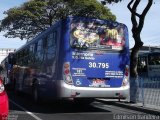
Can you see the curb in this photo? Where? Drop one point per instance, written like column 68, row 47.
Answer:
column 131, row 106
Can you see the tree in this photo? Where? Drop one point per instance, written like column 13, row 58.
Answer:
column 136, row 31
column 137, row 26
column 35, row 16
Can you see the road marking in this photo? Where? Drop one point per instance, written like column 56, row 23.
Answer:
column 26, row 111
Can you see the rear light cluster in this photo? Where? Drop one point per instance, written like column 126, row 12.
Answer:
column 1, row 87
column 126, row 76
column 66, row 73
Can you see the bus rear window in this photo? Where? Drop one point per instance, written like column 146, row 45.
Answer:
column 94, row 35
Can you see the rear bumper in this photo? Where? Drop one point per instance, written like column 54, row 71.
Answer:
column 70, row 91
column 3, row 105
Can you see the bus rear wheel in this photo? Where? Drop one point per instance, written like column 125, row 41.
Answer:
column 36, row 98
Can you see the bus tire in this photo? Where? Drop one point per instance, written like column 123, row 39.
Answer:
column 16, row 90
column 35, row 94
column 14, row 84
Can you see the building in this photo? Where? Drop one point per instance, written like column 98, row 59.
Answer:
column 147, row 49
column 4, row 52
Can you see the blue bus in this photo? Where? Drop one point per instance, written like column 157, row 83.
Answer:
column 76, row 58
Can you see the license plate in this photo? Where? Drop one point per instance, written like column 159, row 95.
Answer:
column 98, row 81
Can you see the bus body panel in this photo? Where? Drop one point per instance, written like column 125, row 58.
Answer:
column 107, row 67
column 70, row 91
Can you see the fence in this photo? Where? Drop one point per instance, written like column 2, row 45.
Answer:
column 149, row 91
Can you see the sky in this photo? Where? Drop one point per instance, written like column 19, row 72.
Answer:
column 9, row 42
column 150, row 34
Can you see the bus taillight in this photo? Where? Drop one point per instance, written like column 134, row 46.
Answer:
column 126, row 76
column 66, row 73
column 127, row 70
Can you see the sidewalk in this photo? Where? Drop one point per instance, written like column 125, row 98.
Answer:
column 149, row 109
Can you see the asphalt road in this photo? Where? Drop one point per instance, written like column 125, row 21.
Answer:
column 23, row 108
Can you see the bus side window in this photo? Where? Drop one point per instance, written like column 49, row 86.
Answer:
column 39, row 50
column 11, row 59
column 150, row 61
column 31, row 53
column 34, row 51
column 35, row 47
column 157, row 60
column 52, row 45
column 142, row 64
column 21, row 57
column 45, row 47
column 54, row 42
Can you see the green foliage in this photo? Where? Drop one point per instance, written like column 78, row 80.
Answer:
column 24, row 21
column 34, row 16
column 90, row 8
column 110, row 1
